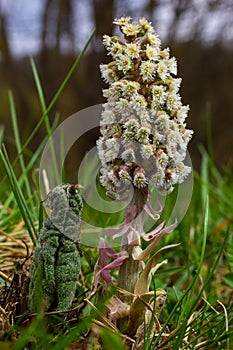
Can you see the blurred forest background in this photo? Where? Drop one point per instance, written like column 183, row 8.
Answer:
column 199, row 33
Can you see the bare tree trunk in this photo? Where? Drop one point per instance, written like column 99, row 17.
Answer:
column 64, row 22
column 103, row 16
column 4, row 41
column 45, row 19
column 56, row 20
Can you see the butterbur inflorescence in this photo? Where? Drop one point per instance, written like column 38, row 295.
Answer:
column 143, row 144
column 143, row 131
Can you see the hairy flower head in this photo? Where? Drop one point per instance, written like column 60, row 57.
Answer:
column 143, row 130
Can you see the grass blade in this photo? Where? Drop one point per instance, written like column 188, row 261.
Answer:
column 18, row 143
column 29, row 166
column 190, row 287
column 22, row 204
column 60, row 90
column 46, row 119
column 190, row 306
column 1, row 134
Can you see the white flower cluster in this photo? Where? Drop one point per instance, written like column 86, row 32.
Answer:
column 143, row 131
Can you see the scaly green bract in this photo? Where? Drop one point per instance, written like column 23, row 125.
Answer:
column 56, row 260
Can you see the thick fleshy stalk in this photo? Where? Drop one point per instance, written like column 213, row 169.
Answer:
column 130, row 269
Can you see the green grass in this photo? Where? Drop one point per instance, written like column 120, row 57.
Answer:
column 198, row 312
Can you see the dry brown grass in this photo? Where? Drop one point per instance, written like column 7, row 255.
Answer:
column 13, row 246
column 15, row 252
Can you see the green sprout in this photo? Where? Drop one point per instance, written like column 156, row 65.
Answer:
column 56, row 260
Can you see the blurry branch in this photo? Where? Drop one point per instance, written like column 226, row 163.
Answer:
column 197, row 18
column 180, row 7
column 152, row 5
column 220, row 7
column 213, row 5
